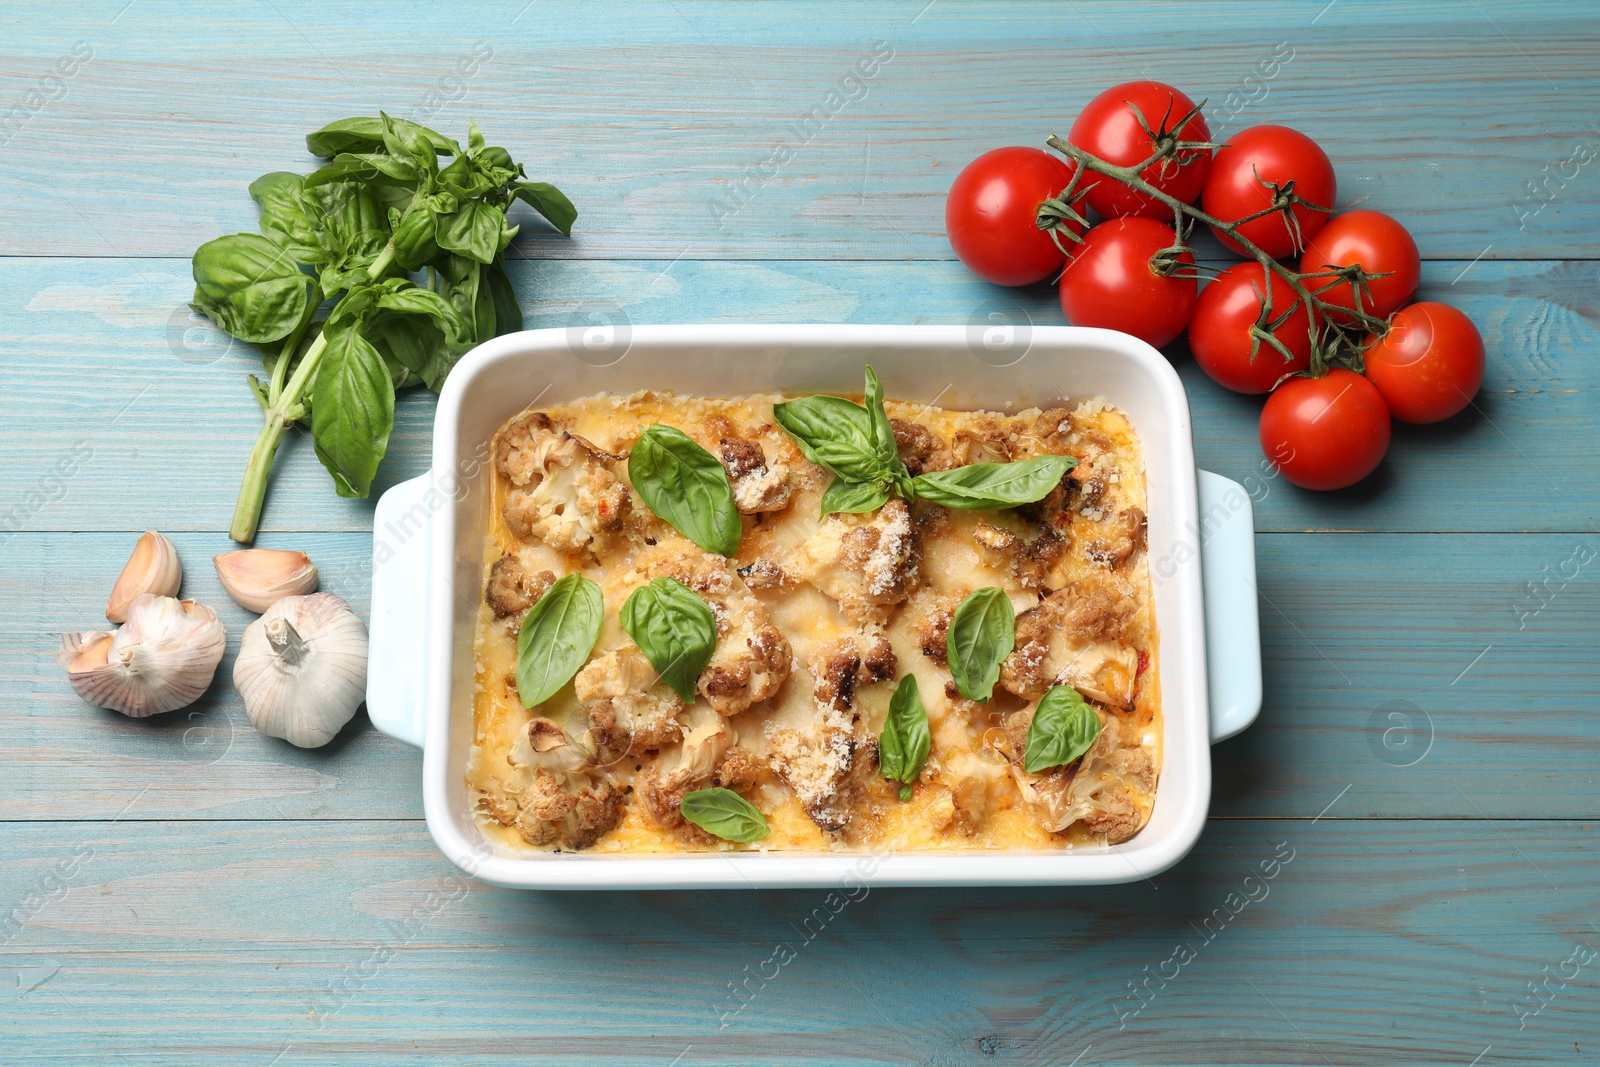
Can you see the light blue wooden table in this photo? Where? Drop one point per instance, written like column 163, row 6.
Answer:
column 184, row 891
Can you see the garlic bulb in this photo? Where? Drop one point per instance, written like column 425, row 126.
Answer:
column 153, row 568
column 302, row 669
column 161, row 659
column 258, row 578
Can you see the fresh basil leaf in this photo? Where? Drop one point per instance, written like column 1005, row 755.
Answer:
column 351, row 226
column 414, row 234
column 473, row 230
column 417, row 330
column 365, row 134
column 990, row 486
column 882, row 433
column 461, row 283
column 557, row 635
column 905, row 742
column 725, row 814
column 284, row 219
column 548, row 201
column 352, row 411
column 853, row 497
column 834, row 433
column 414, row 301
column 1063, row 728
column 675, row 629
column 982, row 633
column 686, row 486
column 503, row 298
column 409, row 142
column 250, row 287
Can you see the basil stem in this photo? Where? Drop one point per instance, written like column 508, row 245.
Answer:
column 905, row 742
column 1063, row 729
column 982, row 633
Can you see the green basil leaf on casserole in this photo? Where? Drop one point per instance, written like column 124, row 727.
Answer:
column 557, row 636
column 982, row 633
column 686, row 486
column 853, row 497
column 833, row 432
column 991, row 486
column 882, row 434
column 1063, row 728
column 904, row 744
column 675, row 629
column 724, row 813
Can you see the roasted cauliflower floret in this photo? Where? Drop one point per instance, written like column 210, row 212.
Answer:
column 757, row 484
column 816, row 764
column 688, row 765
column 1075, row 637
column 1127, row 535
column 630, row 709
column 564, row 491
column 846, row 663
column 567, row 801
column 974, row 783
column 1097, row 789
column 868, row 563
column 512, row 590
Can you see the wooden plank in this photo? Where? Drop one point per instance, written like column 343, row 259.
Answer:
column 146, row 149
column 1418, row 671
column 1272, row 943
column 144, row 407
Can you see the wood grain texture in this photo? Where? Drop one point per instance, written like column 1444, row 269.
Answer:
column 1443, row 113
column 1418, row 670
column 164, row 392
column 355, row 942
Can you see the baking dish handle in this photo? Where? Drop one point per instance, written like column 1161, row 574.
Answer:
column 399, row 611
column 1233, row 624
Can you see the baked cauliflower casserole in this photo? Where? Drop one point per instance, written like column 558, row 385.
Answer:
column 677, row 650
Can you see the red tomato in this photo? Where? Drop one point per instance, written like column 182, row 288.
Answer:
column 991, row 211
column 1376, row 243
column 1219, row 333
column 1325, row 433
column 1109, row 128
column 1277, row 156
column 1430, row 363
column 1110, row 283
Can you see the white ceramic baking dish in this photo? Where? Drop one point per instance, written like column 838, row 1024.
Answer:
column 428, row 548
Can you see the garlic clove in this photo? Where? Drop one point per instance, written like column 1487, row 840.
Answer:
column 163, row 658
column 153, row 568
column 258, row 578
column 302, row 669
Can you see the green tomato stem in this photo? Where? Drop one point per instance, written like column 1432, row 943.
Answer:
column 286, row 404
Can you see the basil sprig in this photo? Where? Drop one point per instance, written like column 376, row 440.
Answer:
column 856, row 443
column 1063, row 728
column 982, row 633
column 557, row 636
column 686, row 486
column 675, row 629
column 726, row 814
column 904, row 744
column 991, row 486
column 381, row 205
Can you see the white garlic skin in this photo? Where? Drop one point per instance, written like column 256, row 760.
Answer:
column 302, row 669
column 257, row 578
column 152, row 568
column 163, row 658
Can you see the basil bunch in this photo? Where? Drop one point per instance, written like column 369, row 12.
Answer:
column 905, row 742
column 381, row 207
column 726, row 814
column 675, row 629
column 982, row 633
column 557, row 635
column 1063, row 728
column 856, row 443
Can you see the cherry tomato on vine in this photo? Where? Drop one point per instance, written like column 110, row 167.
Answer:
column 991, row 210
column 1253, row 171
column 1109, row 128
column 1325, row 433
column 1111, row 283
column 1376, row 243
column 1430, row 363
column 1219, row 333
